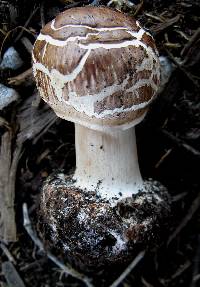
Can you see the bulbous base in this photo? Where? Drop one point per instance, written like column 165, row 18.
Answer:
column 90, row 232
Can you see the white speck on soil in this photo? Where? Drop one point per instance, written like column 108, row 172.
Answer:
column 120, row 243
column 82, row 216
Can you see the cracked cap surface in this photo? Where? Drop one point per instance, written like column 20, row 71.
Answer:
column 96, row 66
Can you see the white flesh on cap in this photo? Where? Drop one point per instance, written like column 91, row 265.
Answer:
column 106, row 162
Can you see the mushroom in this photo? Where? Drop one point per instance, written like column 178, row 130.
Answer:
column 99, row 69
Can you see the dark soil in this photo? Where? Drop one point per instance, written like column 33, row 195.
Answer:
column 168, row 143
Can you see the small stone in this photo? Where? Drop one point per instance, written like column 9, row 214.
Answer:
column 11, row 60
column 7, row 96
column 166, row 70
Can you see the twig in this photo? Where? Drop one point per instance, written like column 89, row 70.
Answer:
column 179, row 196
column 9, row 33
column 154, row 17
column 138, row 8
column 163, row 157
column 42, row 14
column 182, row 68
column 128, row 270
column 7, row 253
column 189, row 44
column 194, row 207
column 66, row 268
column 33, row 264
column 181, row 143
column 26, row 24
column 146, row 284
column 4, row 123
column 181, row 270
column 158, row 28
column 25, row 78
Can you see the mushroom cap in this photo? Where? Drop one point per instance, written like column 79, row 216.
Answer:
column 96, row 67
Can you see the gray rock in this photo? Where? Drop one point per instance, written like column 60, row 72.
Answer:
column 7, row 96
column 11, row 60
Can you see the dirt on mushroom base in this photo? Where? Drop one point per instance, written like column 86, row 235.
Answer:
column 91, row 232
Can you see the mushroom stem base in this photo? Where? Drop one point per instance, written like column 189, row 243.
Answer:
column 93, row 234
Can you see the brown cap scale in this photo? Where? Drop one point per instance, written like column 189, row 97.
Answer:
column 98, row 68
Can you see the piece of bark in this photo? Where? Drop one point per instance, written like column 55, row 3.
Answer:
column 12, row 276
column 7, row 214
column 34, row 121
column 24, row 79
